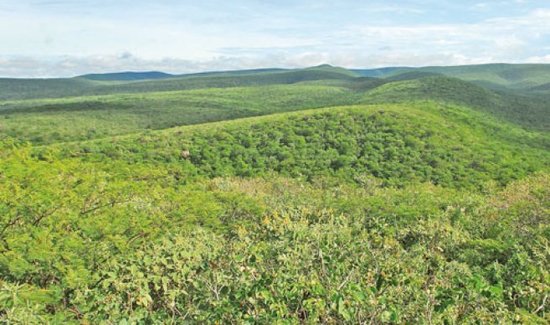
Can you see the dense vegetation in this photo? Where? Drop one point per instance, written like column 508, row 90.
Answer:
column 415, row 142
column 524, row 77
column 82, row 118
column 13, row 89
column 45, row 121
column 528, row 111
column 128, row 76
column 418, row 199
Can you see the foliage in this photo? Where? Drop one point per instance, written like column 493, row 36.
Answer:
column 527, row 111
column 46, row 121
column 494, row 76
column 433, row 209
column 400, row 144
column 305, row 254
column 14, row 89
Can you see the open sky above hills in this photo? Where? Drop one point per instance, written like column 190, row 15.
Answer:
column 51, row 38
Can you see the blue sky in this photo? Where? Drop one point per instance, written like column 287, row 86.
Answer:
column 46, row 38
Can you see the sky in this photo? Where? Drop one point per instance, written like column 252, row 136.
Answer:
column 63, row 38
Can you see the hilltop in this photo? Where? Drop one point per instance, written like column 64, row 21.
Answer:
column 524, row 77
column 105, row 108
column 418, row 141
column 524, row 110
column 103, row 84
column 127, row 76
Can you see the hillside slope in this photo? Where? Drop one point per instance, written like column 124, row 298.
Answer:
column 46, row 121
column 14, row 89
column 495, row 76
column 399, row 144
column 521, row 76
column 525, row 111
column 127, row 76
column 415, row 212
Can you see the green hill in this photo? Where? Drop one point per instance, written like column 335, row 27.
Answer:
column 522, row 76
column 494, row 76
column 233, row 72
column 305, row 196
column 127, row 76
column 389, row 213
column 224, row 81
column 411, row 75
column 128, row 110
column 425, row 141
column 523, row 110
column 45, row 121
column 542, row 88
column 381, row 72
column 13, row 89
column 327, row 68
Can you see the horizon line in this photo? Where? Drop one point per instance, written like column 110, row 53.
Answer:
column 271, row 68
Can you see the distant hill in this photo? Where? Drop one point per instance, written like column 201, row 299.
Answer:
column 284, row 77
column 411, row 75
column 515, row 76
column 14, row 89
column 517, row 93
column 127, row 76
column 424, row 141
column 327, row 68
column 89, row 117
column 526, row 111
column 519, row 78
column 494, row 76
column 96, row 108
column 231, row 73
column 154, row 75
column 381, row 72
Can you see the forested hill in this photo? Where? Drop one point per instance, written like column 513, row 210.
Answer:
column 526, row 77
column 128, row 76
column 12, row 89
column 303, row 196
column 81, row 109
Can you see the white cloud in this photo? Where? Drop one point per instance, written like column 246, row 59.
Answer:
column 69, row 66
column 77, row 44
column 21, row 33
column 393, row 9
column 497, row 39
column 538, row 59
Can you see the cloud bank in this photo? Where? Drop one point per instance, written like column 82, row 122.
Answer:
column 66, row 38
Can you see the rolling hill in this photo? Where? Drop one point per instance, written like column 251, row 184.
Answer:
column 127, row 76
column 524, row 110
column 79, row 118
column 13, row 89
column 126, row 109
column 520, row 77
column 418, row 141
column 316, row 195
